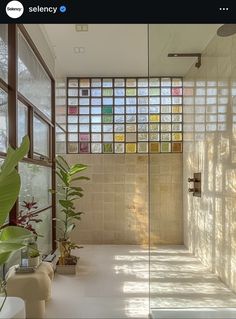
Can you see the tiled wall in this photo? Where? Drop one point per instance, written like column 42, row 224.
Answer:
column 116, row 199
column 210, row 148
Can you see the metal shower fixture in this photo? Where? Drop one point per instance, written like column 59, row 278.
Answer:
column 226, row 30
column 187, row 55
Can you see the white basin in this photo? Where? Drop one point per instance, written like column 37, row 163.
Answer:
column 14, row 308
column 194, row 313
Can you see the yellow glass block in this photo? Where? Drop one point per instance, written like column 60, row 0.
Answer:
column 154, row 147
column 154, row 118
column 130, row 148
column 177, row 109
column 119, row 137
column 177, row 136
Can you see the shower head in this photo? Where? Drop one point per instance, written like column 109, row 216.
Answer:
column 226, row 30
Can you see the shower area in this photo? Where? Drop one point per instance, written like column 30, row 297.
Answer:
column 192, row 181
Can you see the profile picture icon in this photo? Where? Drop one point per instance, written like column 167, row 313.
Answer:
column 14, row 9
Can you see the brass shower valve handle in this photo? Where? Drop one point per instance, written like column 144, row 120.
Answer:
column 191, row 190
column 191, row 180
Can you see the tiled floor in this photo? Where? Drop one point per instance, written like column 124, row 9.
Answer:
column 112, row 282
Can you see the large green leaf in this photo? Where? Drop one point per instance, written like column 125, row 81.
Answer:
column 77, row 168
column 62, row 162
column 6, row 249
column 15, row 234
column 80, row 178
column 70, row 228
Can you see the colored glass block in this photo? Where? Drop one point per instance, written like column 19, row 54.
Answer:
column 119, row 110
column 165, row 127
column 119, row 101
column 107, row 110
column 72, row 137
column 95, row 119
column 177, row 109
column 166, row 100
column 72, row 128
column 154, row 109
column 83, row 119
column 165, row 136
column 84, row 137
column 72, row 119
column 73, row 101
column 131, row 109
column 119, row 128
column 119, row 118
column 72, row 147
column 143, row 100
column 177, row 147
column 84, row 148
column 84, row 128
column 165, row 147
column 96, row 148
column 107, row 128
column 130, row 147
column 154, row 137
column 130, row 118
column 154, row 82
column 131, row 137
column 142, row 118
column 177, row 100
column 176, row 136
column 96, row 92
column 143, row 109
column 131, row 100
column 72, row 92
column 142, row 82
column 130, row 82
column 96, row 128
column 142, row 147
column 84, row 92
column 154, row 100
column 119, row 137
column 143, row 136
column 177, row 127
column 130, row 128
column 107, row 101
column 176, row 118
column 119, row 82
column 119, row 148
column 165, row 82
column 107, row 137
column 143, row 92
column 154, row 91
column 177, row 82
column 142, row 127
column 119, row 92
column 107, row 83
column 72, row 110
column 96, row 137
column 107, row 118
column 83, row 101
column 96, row 101
column 84, row 83
column 84, row 110
column 107, row 148
column 177, row 91
column 154, row 147
column 107, row 92
column 165, row 91
column 130, row 92
column 73, row 83
column 165, row 109
column 96, row 83
column 166, row 118
column 154, row 118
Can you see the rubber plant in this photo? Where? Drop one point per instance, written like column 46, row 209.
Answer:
column 68, row 193
column 12, row 238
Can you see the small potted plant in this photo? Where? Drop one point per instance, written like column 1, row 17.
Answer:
column 68, row 193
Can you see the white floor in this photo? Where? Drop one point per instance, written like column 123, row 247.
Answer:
column 112, row 282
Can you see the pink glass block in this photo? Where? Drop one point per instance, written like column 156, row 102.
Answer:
column 176, row 91
column 84, row 137
column 72, row 110
column 84, row 147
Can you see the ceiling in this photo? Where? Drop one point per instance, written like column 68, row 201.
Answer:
column 122, row 49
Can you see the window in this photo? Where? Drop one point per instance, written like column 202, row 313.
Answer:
column 124, row 115
column 3, row 52
column 3, row 121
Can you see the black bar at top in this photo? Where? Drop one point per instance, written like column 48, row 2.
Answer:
column 126, row 11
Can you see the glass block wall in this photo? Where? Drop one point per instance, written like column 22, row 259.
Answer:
column 124, row 115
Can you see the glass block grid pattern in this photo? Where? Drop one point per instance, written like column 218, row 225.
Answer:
column 124, row 115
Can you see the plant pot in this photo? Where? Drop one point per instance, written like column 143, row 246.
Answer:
column 68, row 267
column 34, row 261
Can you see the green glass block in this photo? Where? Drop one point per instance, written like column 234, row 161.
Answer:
column 107, row 92
column 154, row 127
column 143, row 136
column 165, row 147
column 107, row 110
column 107, row 148
column 107, row 118
column 130, row 92
column 96, row 148
column 119, row 148
column 154, row 91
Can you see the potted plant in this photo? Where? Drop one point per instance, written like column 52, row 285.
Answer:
column 12, row 238
column 68, row 193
